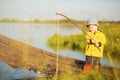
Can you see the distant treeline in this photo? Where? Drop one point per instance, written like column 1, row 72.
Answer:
column 15, row 20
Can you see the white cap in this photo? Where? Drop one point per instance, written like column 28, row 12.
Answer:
column 92, row 21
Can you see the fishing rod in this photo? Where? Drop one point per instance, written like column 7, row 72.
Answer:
column 72, row 22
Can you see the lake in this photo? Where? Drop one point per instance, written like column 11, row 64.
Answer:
column 37, row 34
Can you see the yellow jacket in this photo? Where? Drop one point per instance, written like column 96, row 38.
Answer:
column 91, row 49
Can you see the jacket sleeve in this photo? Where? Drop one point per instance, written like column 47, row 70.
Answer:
column 102, row 38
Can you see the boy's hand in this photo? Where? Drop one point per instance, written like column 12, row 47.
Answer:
column 97, row 44
column 92, row 41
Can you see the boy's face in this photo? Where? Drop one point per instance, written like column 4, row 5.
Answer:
column 92, row 27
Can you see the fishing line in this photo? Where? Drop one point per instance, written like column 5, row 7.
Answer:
column 57, row 57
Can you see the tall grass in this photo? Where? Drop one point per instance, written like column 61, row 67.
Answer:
column 112, row 47
column 77, row 41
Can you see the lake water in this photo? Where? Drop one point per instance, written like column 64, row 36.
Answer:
column 37, row 34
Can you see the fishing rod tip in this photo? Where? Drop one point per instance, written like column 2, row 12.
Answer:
column 57, row 13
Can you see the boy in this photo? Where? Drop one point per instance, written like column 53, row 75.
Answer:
column 95, row 45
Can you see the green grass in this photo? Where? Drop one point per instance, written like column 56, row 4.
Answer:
column 77, row 41
column 107, row 74
column 112, row 32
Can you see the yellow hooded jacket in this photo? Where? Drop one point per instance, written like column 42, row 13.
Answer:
column 91, row 49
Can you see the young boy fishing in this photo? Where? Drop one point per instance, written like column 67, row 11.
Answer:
column 95, row 44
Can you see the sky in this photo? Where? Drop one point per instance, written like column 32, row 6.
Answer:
column 47, row 9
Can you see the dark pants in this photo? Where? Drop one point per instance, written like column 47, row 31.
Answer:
column 94, row 61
